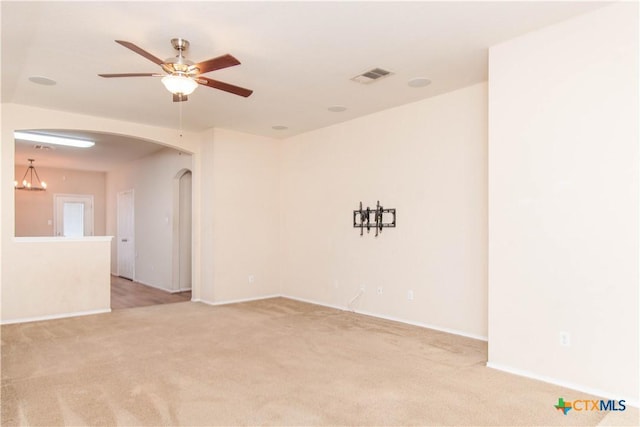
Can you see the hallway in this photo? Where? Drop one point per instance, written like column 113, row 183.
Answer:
column 128, row 294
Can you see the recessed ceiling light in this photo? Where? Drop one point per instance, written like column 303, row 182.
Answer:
column 52, row 139
column 279, row 127
column 419, row 82
column 337, row 108
column 40, row 80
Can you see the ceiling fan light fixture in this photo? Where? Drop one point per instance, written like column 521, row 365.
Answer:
column 179, row 84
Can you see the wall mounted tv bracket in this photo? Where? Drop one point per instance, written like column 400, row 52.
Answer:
column 373, row 218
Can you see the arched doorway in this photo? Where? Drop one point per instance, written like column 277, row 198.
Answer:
column 183, row 228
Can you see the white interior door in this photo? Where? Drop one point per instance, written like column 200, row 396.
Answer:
column 126, row 243
column 73, row 215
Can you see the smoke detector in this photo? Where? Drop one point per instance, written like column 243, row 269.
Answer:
column 372, row 75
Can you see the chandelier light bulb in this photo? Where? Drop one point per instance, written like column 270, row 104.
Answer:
column 44, row 185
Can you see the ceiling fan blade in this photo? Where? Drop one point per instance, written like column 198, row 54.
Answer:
column 131, row 75
column 218, row 63
column 140, row 51
column 236, row 90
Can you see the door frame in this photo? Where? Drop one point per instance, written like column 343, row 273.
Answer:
column 133, row 232
column 89, row 218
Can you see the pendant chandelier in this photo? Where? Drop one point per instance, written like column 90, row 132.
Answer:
column 27, row 180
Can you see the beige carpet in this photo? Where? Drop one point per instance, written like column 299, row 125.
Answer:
column 271, row 362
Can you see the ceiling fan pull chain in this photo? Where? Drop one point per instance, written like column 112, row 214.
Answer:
column 180, row 118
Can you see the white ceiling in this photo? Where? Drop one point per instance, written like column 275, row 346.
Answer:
column 298, row 57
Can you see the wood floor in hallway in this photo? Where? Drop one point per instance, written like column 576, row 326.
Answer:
column 128, row 294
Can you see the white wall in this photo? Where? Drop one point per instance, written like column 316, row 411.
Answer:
column 244, row 202
column 56, row 276
column 152, row 179
column 428, row 160
column 563, row 203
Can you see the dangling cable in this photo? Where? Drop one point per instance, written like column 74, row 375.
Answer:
column 352, row 300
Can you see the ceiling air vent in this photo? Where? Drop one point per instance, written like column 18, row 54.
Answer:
column 43, row 147
column 371, row 76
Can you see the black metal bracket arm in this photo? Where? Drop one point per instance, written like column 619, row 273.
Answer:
column 362, row 218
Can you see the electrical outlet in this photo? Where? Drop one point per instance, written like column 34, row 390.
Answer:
column 410, row 295
column 380, row 290
column 565, row 339
column 252, row 278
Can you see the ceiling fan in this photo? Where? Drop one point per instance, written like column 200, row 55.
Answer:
column 182, row 75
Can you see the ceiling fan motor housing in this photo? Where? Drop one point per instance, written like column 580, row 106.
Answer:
column 180, row 64
column 180, row 44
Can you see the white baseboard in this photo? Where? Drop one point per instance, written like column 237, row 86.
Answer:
column 308, row 301
column 395, row 319
column 561, row 383
column 55, row 316
column 235, row 301
column 179, row 290
column 427, row 326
